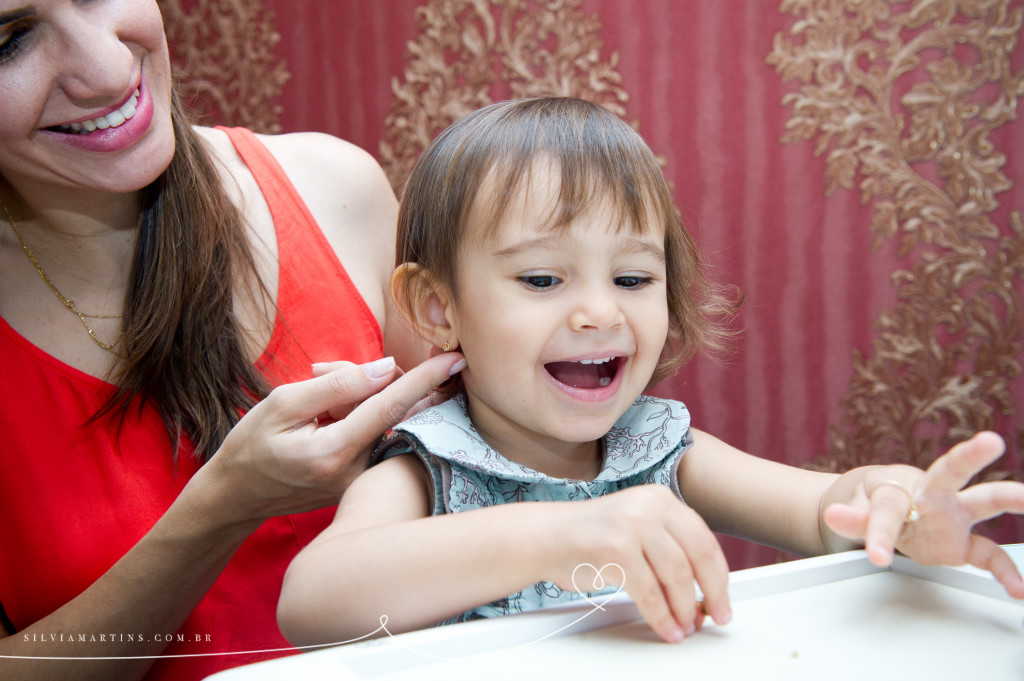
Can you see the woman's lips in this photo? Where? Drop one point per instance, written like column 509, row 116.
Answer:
column 118, row 134
column 112, row 119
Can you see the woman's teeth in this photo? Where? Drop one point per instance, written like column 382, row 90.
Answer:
column 110, row 120
column 595, row 361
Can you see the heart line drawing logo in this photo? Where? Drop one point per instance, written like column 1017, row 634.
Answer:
column 616, row 576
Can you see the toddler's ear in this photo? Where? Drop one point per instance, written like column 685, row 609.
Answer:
column 424, row 303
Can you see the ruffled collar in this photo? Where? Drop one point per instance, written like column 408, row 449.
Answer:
column 645, row 435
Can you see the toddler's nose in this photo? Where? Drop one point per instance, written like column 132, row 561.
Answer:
column 596, row 309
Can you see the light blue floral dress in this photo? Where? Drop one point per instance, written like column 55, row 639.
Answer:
column 643, row 447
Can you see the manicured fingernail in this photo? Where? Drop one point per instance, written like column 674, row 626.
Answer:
column 457, row 367
column 725, row 617
column 691, row 629
column 380, row 367
column 675, row 636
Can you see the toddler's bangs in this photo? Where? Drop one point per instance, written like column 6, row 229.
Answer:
column 592, row 154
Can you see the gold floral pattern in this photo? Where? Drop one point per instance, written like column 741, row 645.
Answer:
column 902, row 98
column 472, row 52
column 223, row 58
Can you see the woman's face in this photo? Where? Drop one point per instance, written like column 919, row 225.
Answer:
column 85, row 94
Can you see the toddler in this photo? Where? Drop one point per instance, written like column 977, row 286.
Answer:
column 539, row 239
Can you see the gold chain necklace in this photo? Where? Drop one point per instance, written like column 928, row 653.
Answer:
column 68, row 303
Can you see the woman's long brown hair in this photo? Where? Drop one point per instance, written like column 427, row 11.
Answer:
column 183, row 351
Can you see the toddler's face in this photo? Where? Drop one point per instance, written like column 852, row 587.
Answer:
column 561, row 328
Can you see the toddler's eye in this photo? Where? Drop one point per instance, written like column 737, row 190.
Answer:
column 539, row 282
column 632, row 282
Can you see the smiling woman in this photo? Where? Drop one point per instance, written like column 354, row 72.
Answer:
column 153, row 479
column 110, row 54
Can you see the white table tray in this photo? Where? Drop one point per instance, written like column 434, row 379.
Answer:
column 833, row 617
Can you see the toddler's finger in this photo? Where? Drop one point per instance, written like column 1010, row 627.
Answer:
column 889, row 505
column 985, row 554
column 954, row 469
column 991, row 499
column 847, row 521
column 712, row 573
column 710, row 569
column 644, row 589
column 671, row 567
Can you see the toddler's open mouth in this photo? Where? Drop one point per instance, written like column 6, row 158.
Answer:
column 588, row 374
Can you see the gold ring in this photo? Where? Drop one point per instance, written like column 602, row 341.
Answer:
column 912, row 513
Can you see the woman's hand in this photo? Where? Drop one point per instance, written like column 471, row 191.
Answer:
column 302, row 446
column 881, row 511
column 650, row 543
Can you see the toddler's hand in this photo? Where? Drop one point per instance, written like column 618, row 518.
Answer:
column 661, row 545
column 882, row 514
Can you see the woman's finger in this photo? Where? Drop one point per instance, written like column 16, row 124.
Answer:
column 431, row 400
column 380, row 411
column 323, row 368
column 346, row 384
column 340, row 411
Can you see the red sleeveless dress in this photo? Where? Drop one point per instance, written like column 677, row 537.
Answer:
column 72, row 501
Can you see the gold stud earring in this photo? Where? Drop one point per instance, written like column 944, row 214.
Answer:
column 446, row 347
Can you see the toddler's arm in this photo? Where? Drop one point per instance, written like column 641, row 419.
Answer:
column 382, row 556
column 811, row 513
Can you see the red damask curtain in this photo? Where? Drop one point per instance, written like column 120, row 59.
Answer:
column 854, row 166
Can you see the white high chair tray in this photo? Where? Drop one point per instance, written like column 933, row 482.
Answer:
column 833, row 617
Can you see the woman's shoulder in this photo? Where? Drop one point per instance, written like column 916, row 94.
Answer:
column 311, row 153
column 335, row 178
column 345, row 191
column 312, row 160
column 342, row 185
